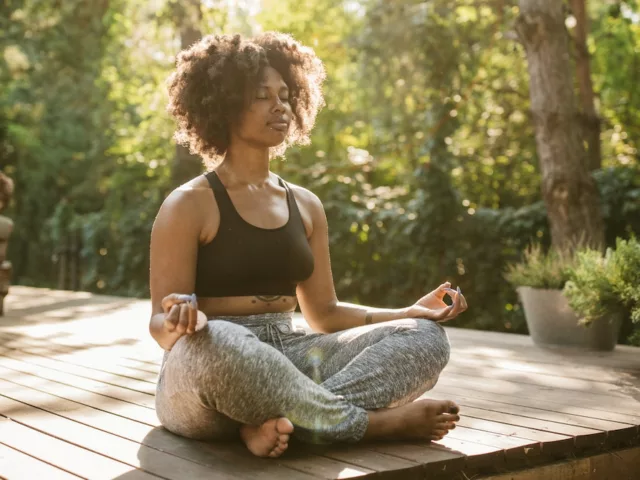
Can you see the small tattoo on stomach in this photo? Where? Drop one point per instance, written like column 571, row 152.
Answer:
column 268, row 298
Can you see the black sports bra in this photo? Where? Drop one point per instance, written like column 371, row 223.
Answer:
column 245, row 260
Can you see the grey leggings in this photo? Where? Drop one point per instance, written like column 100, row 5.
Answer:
column 248, row 369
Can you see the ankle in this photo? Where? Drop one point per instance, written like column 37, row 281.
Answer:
column 383, row 423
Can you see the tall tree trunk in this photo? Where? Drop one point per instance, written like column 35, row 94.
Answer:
column 187, row 16
column 590, row 118
column 569, row 191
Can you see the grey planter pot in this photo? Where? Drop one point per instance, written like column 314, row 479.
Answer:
column 551, row 321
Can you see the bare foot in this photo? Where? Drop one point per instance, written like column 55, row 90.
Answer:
column 422, row 419
column 270, row 439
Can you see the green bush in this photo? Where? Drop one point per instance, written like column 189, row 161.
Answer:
column 549, row 270
column 626, row 282
column 590, row 288
column 600, row 285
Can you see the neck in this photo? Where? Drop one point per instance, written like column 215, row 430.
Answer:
column 246, row 165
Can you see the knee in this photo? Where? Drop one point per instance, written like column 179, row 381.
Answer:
column 216, row 337
column 435, row 340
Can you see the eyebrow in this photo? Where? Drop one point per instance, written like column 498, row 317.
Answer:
column 284, row 87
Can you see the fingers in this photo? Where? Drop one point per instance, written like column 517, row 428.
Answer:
column 459, row 303
column 441, row 291
column 183, row 323
column 440, row 314
column 174, row 299
column 193, row 314
column 172, row 318
column 181, row 313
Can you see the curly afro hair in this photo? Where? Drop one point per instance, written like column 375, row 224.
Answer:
column 209, row 89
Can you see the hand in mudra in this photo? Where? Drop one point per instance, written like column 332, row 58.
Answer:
column 182, row 314
column 433, row 307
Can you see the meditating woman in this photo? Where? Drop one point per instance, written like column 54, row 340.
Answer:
column 252, row 246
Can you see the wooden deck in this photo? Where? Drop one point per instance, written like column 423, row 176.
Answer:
column 78, row 373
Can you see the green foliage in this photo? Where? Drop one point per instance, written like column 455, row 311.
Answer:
column 603, row 285
column 590, row 289
column 550, row 270
column 424, row 156
column 625, row 275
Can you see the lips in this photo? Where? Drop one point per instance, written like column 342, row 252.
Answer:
column 280, row 126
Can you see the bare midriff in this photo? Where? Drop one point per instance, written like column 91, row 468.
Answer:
column 246, row 305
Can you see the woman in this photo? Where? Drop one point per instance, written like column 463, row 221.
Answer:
column 252, row 246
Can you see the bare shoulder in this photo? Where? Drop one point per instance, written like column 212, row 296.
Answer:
column 307, row 200
column 188, row 203
column 311, row 209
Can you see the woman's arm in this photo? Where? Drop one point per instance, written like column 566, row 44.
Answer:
column 317, row 296
column 324, row 313
column 174, row 249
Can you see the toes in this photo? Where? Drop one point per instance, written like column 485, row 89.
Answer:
column 445, row 426
column 453, row 408
column 284, row 426
column 279, row 450
column 283, row 438
column 447, row 417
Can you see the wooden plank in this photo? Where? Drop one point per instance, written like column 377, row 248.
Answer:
column 320, row 466
column 510, row 388
column 565, row 424
column 586, row 417
column 434, row 459
column 543, row 366
column 98, row 401
column 66, row 456
column 619, row 465
column 552, row 444
column 557, row 436
column 515, row 448
column 100, row 358
column 118, row 380
column 120, row 393
column 111, row 446
column 501, row 345
column 600, row 390
column 234, row 459
column 15, row 465
column 476, row 455
column 363, row 456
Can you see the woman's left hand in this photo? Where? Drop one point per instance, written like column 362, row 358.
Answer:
column 433, row 307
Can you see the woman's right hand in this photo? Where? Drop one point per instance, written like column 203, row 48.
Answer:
column 182, row 314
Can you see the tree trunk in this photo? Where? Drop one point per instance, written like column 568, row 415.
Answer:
column 590, row 118
column 187, row 18
column 569, row 191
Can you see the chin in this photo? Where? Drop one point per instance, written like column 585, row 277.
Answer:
column 274, row 143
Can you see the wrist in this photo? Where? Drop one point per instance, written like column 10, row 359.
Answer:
column 374, row 315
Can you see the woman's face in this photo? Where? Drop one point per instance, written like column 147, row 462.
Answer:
column 266, row 120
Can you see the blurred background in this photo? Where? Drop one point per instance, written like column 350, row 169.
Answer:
column 424, row 156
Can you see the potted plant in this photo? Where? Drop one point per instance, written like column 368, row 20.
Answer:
column 539, row 280
column 603, row 290
column 626, row 281
column 590, row 294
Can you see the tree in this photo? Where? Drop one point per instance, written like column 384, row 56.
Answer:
column 187, row 16
column 590, row 118
column 569, row 192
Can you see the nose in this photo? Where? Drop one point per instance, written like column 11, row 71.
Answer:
column 279, row 105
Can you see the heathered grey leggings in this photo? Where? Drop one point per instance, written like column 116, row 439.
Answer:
column 248, row 369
